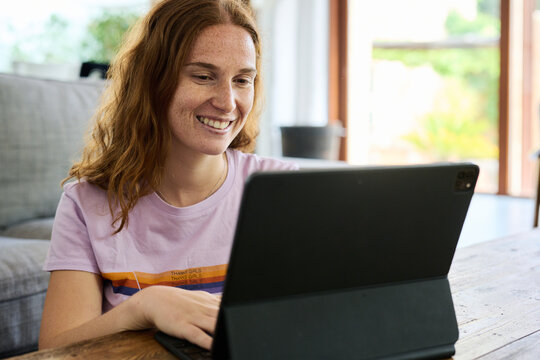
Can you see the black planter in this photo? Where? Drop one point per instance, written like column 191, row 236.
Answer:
column 92, row 69
column 314, row 142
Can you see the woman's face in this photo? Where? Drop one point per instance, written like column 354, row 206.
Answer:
column 215, row 91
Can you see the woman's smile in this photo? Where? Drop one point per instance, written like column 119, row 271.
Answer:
column 214, row 123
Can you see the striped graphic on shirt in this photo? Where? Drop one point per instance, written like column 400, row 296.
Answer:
column 208, row 278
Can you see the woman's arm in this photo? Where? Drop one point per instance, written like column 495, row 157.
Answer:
column 72, row 311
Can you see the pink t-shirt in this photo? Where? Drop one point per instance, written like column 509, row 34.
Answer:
column 185, row 247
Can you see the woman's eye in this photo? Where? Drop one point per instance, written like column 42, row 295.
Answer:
column 202, row 77
column 243, row 81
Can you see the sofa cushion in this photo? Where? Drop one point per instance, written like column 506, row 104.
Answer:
column 31, row 229
column 42, row 123
column 23, row 285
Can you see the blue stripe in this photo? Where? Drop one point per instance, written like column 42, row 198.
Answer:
column 210, row 287
column 215, row 290
column 124, row 290
column 205, row 287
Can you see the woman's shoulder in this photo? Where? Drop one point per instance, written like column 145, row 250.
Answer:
column 253, row 162
column 81, row 190
column 81, row 205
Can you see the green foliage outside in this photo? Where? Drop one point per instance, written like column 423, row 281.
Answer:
column 105, row 34
column 44, row 46
column 463, row 124
column 458, row 128
column 54, row 44
column 484, row 24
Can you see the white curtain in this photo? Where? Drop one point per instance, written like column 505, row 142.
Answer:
column 295, row 53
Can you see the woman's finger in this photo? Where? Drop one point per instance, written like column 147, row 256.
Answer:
column 196, row 336
column 207, row 323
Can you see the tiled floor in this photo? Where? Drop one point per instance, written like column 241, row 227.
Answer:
column 495, row 216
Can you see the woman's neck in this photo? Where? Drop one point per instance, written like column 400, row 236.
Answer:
column 189, row 180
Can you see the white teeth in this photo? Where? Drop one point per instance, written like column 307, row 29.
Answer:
column 213, row 123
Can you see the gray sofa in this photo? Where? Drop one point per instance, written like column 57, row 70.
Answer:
column 42, row 123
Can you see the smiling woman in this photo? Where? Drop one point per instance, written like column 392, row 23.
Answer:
column 142, row 238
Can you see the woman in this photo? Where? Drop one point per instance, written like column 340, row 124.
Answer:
column 142, row 239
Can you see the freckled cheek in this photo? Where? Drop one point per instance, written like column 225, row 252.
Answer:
column 188, row 98
column 184, row 106
column 247, row 105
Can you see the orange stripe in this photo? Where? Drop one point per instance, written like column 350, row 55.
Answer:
column 199, row 275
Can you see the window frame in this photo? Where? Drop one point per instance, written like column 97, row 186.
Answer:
column 338, row 101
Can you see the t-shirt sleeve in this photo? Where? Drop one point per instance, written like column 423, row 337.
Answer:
column 250, row 163
column 70, row 247
column 266, row 164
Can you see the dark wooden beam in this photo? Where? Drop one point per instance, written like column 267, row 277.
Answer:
column 503, row 96
column 337, row 68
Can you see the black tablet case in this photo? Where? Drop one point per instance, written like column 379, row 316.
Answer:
column 346, row 263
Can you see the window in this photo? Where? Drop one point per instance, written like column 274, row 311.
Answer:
column 423, row 83
column 62, row 33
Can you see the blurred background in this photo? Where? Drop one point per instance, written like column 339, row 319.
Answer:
column 408, row 81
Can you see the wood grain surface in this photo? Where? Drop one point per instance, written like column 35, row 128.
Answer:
column 496, row 292
column 125, row 345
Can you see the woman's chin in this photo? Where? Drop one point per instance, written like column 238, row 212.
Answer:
column 214, row 149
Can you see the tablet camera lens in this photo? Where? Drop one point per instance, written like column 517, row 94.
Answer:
column 464, row 180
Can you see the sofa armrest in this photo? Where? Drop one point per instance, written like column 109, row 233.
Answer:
column 23, row 285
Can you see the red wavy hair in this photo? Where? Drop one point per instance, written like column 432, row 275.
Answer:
column 128, row 144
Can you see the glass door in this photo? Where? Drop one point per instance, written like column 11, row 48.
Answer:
column 423, row 83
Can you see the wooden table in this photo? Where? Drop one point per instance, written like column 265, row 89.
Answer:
column 496, row 291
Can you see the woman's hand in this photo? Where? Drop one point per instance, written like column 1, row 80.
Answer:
column 73, row 309
column 185, row 314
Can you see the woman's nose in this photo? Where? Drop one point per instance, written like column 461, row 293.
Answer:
column 224, row 98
